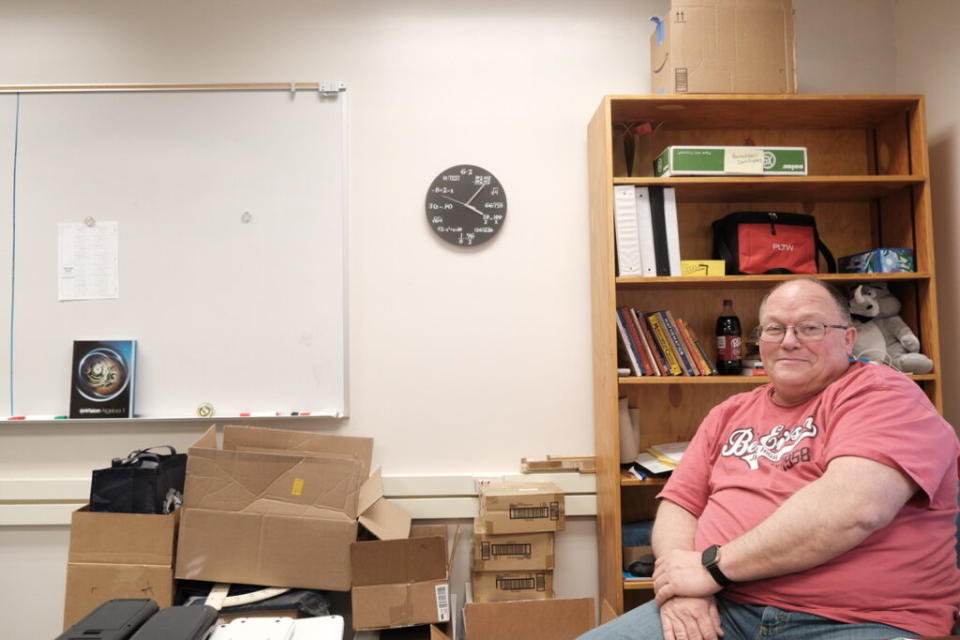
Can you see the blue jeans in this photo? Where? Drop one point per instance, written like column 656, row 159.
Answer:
column 747, row 622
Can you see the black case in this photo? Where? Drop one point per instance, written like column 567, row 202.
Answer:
column 113, row 620
column 178, row 623
column 140, row 482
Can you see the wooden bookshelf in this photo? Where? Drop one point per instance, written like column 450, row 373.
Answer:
column 867, row 186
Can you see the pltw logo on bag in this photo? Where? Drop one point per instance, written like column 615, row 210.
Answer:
column 783, row 246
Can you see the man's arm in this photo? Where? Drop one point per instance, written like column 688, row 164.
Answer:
column 690, row 618
column 673, row 528
column 828, row 517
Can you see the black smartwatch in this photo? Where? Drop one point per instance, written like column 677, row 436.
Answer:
column 710, row 558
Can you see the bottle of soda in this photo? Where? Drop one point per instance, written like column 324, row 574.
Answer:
column 729, row 342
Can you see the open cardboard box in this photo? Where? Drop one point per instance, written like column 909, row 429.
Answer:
column 118, row 555
column 280, row 508
column 401, row 583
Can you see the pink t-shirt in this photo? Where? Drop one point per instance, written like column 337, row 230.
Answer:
column 750, row 454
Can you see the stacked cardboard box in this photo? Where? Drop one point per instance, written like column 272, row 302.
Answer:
column 513, row 546
column 118, row 555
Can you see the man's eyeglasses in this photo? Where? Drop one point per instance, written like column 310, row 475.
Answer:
column 807, row 331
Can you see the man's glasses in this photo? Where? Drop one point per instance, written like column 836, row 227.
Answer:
column 806, row 331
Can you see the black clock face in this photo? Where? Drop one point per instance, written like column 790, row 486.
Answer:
column 466, row 205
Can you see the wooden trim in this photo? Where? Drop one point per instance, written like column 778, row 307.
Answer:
column 113, row 88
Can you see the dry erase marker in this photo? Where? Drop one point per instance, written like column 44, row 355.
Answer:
column 17, row 418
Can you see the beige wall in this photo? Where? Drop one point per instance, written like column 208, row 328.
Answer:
column 505, row 84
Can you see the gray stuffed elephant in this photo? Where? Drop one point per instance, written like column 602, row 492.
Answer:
column 884, row 337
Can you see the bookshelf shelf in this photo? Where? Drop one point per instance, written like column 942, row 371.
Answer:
column 805, row 188
column 637, row 585
column 627, row 479
column 867, row 187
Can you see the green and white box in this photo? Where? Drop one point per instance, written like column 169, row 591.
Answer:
column 693, row 160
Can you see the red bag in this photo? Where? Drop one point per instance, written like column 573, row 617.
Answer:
column 756, row 242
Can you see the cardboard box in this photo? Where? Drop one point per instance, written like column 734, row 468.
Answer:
column 725, row 46
column 521, row 507
column 280, row 508
column 400, row 583
column 697, row 268
column 118, row 555
column 564, row 619
column 512, row 551
column 501, row 586
column 699, row 160
column 878, row 261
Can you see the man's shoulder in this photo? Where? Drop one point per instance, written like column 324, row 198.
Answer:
column 864, row 376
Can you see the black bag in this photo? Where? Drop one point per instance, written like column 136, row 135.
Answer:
column 113, row 620
column 756, row 242
column 143, row 482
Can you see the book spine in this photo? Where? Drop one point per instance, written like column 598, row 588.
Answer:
column 673, row 231
column 685, row 361
column 645, row 340
column 691, row 349
column 625, row 338
column 648, row 256
column 626, row 230
column 658, row 358
column 629, row 321
column 660, row 333
column 659, row 231
column 703, row 352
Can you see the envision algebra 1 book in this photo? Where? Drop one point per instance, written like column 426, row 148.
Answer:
column 103, row 377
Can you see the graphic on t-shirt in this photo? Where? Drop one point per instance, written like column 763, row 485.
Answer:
column 775, row 446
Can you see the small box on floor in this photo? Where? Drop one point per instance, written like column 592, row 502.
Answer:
column 878, row 261
column 400, row 583
column 501, row 586
column 521, row 507
column 118, row 555
column 563, row 619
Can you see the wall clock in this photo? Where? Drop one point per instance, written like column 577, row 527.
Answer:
column 466, row 205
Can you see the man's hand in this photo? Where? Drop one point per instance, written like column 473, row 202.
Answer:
column 680, row 573
column 690, row 619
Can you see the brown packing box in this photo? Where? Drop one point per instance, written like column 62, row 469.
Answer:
column 563, row 619
column 280, row 508
column 725, row 46
column 118, row 555
column 400, row 583
column 502, row 586
column 521, row 507
column 512, row 551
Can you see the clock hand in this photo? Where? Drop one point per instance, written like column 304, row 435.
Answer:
column 464, row 204
column 475, row 194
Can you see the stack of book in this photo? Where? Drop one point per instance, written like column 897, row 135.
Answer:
column 660, row 459
column 645, row 223
column 513, row 543
column 657, row 344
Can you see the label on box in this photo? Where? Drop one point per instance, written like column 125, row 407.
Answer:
column 745, row 160
column 443, row 602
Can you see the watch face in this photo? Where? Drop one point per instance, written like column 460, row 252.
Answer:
column 466, row 205
column 709, row 557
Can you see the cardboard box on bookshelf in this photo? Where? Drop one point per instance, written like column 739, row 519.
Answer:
column 521, row 507
column 724, row 46
column 503, row 586
column 512, row 551
column 699, row 160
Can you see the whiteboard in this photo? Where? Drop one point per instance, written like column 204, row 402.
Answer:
column 230, row 207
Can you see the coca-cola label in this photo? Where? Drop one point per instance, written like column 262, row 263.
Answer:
column 728, row 347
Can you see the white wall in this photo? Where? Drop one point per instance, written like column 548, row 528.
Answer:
column 445, row 344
